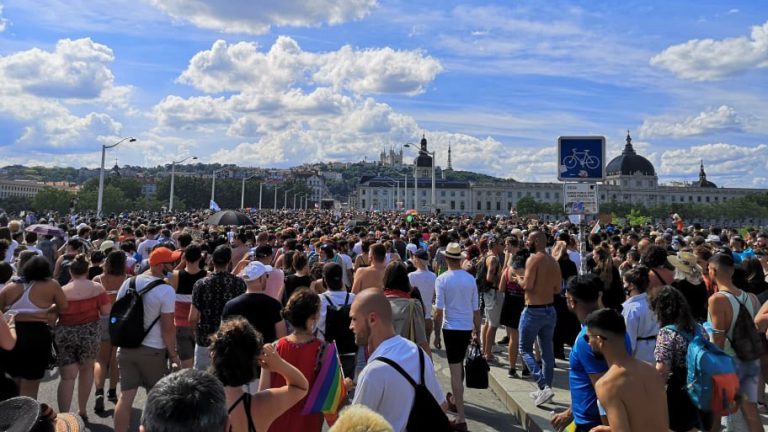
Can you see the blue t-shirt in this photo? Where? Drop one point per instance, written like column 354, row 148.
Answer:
column 584, row 363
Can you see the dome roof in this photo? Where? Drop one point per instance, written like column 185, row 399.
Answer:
column 629, row 163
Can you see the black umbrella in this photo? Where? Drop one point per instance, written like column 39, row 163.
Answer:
column 229, row 217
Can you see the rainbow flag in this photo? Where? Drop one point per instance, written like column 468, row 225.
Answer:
column 328, row 391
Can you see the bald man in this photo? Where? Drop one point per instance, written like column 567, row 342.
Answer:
column 380, row 386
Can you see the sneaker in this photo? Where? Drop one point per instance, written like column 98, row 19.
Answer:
column 99, row 405
column 504, row 341
column 512, row 373
column 534, row 394
column 526, row 372
column 545, row 395
column 112, row 395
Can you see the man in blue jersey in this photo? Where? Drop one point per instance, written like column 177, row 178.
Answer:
column 586, row 366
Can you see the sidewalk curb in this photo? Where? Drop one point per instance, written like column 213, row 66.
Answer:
column 528, row 422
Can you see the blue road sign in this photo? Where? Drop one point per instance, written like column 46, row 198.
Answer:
column 581, row 158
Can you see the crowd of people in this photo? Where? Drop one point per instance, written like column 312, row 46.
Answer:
column 236, row 319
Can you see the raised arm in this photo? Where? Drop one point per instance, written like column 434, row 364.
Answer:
column 271, row 403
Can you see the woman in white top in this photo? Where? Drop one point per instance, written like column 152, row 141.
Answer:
column 642, row 326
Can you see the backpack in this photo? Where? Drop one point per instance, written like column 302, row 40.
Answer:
column 64, row 276
column 337, row 326
column 425, row 413
column 745, row 340
column 126, row 320
column 481, row 273
column 712, row 381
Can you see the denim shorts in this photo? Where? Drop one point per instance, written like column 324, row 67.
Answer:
column 749, row 376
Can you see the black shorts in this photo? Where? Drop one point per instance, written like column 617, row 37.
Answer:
column 33, row 352
column 511, row 310
column 456, row 343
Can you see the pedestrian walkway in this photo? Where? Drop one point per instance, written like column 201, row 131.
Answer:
column 514, row 394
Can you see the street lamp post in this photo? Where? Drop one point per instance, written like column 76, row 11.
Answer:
column 101, row 173
column 261, row 185
column 285, row 198
column 275, row 198
column 173, row 175
column 405, row 192
column 242, row 192
column 213, row 184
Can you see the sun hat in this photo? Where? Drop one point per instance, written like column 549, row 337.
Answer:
column 254, row 270
column 106, row 245
column 163, row 255
column 686, row 267
column 453, row 251
column 24, row 414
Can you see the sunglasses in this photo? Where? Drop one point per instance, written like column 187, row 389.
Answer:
column 587, row 336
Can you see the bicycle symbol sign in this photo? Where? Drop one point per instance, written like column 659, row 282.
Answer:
column 581, row 158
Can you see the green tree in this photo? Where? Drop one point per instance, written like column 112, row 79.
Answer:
column 114, row 200
column 52, row 199
column 15, row 204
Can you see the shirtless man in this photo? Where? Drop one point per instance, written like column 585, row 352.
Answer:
column 541, row 283
column 372, row 276
column 632, row 391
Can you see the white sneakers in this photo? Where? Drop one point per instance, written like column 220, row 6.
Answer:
column 544, row 395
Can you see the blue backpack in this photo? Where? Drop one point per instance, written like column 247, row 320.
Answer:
column 712, row 381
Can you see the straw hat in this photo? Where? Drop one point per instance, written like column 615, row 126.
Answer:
column 686, row 267
column 453, row 251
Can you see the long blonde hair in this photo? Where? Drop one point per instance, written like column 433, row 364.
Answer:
column 560, row 250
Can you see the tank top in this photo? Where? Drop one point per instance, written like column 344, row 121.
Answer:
column 24, row 305
column 184, row 295
column 513, row 288
column 245, row 399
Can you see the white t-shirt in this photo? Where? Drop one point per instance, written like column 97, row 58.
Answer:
column 160, row 300
column 357, row 249
column 641, row 323
column 146, row 246
column 381, row 388
column 337, row 297
column 346, row 264
column 424, row 281
column 457, row 295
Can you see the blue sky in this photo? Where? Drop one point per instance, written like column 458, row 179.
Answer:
column 284, row 83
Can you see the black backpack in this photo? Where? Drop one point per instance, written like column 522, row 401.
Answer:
column 425, row 414
column 745, row 340
column 481, row 272
column 337, row 330
column 126, row 320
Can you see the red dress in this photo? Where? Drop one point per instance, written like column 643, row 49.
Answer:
column 304, row 358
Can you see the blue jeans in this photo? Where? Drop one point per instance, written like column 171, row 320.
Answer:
column 539, row 323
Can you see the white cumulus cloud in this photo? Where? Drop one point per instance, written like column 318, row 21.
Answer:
column 724, row 118
column 61, row 96
column 3, row 21
column 76, row 69
column 246, row 16
column 709, row 59
column 725, row 164
column 241, row 66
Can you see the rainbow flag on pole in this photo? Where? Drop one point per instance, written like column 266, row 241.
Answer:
column 328, row 391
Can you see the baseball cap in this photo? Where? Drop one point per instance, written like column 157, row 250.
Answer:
column 254, row 270
column 422, row 255
column 163, row 255
column 412, row 248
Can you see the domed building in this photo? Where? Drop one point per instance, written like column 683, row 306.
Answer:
column 630, row 178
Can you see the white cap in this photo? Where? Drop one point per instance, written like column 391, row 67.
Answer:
column 254, row 270
column 412, row 248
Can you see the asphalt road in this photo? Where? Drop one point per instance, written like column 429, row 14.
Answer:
column 484, row 410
